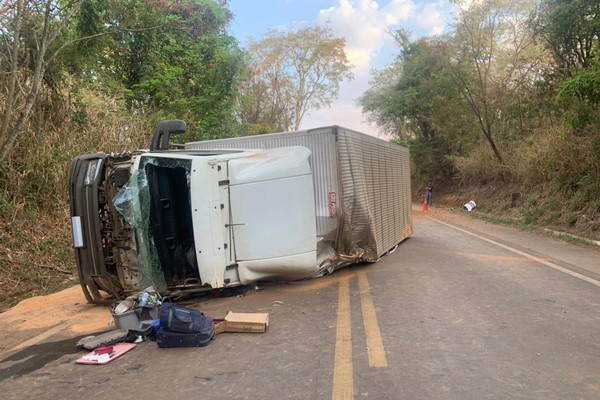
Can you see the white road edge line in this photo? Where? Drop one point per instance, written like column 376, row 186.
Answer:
column 521, row 253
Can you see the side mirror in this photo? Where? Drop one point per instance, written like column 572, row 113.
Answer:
column 163, row 132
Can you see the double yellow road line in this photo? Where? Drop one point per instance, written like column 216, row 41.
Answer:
column 343, row 385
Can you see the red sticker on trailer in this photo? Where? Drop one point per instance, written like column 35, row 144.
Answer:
column 332, row 205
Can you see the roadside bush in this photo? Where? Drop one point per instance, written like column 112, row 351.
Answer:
column 530, row 211
column 480, row 167
column 431, row 159
column 553, row 205
column 570, row 220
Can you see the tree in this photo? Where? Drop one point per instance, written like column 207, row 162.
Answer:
column 416, row 98
column 55, row 17
column 379, row 102
column 174, row 60
column 571, row 30
column 495, row 57
column 265, row 103
column 168, row 58
column 290, row 73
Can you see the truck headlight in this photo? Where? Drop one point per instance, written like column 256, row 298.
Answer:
column 92, row 172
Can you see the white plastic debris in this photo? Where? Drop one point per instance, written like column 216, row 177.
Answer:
column 470, row 206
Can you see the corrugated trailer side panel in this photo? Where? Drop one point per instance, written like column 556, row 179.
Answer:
column 375, row 178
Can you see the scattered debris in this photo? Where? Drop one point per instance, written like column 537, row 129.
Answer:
column 104, row 339
column 470, row 205
column 132, row 312
column 146, row 315
column 104, row 355
column 170, row 339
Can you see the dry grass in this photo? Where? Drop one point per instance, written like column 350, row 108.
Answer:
column 480, row 167
column 550, row 179
column 36, row 254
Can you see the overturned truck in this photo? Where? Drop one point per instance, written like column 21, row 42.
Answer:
column 223, row 213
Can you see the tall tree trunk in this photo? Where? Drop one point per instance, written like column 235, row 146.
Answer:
column 13, row 72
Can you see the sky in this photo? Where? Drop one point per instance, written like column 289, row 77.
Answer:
column 364, row 23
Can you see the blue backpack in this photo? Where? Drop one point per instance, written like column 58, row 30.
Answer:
column 175, row 318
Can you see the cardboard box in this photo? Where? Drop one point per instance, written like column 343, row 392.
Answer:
column 243, row 322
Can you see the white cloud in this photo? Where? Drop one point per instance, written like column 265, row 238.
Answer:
column 398, row 11
column 366, row 25
column 430, row 17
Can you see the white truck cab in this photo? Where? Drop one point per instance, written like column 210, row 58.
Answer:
column 251, row 213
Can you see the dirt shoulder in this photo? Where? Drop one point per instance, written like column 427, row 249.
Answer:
column 35, row 317
column 534, row 209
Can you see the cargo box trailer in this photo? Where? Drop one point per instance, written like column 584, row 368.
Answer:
column 230, row 212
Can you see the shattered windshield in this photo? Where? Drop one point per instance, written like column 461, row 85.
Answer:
column 135, row 202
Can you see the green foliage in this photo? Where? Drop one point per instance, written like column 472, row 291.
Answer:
column 114, row 70
column 7, row 175
column 167, row 60
column 429, row 158
column 581, row 97
column 503, row 221
column 553, row 203
column 197, row 84
column 379, row 102
column 571, row 30
column 400, row 142
column 587, row 190
column 530, row 211
column 570, row 220
column 5, row 205
column 554, row 206
column 123, row 66
column 415, row 100
column 489, row 82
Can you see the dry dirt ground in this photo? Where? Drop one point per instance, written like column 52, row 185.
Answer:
column 46, row 314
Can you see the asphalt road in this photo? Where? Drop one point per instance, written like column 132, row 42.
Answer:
column 461, row 310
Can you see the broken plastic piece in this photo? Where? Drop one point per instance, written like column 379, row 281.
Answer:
column 470, row 206
column 104, row 339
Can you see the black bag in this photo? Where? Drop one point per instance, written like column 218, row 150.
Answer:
column 166, row 339
column 175, row 318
